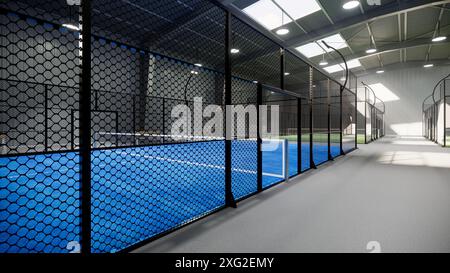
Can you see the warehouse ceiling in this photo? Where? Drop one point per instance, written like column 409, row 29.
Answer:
column 400, row 31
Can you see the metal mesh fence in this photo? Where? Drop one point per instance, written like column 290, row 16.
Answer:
column 298, row 81
column 370, row 115
column 145, row 180
column 447, row 112
column 435, row 114
column 281, row 155
column 335, row 119
column 320, row 117
column 349, row 120
column 158, row 159
column 39, row 168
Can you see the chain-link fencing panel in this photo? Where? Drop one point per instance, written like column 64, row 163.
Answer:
column 39, row 95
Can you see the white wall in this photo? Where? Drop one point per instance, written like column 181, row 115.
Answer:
column 409, row 87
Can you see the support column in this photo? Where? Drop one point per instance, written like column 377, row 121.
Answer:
column 311, row 124
column 85, row 128
column 229, row 198
column 259, row 139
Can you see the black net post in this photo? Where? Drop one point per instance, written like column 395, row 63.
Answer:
column 229, row 199
column 85, row 128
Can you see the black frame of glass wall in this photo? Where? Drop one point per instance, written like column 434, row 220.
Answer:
column 371, row 120
column 86, row 114
column 435, row 114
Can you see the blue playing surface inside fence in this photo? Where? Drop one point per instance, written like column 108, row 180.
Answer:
column 173, row 184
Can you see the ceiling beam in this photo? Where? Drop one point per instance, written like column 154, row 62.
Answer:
column 383, row 11
column 435, row 32
column 389, row 48
column 409, row 64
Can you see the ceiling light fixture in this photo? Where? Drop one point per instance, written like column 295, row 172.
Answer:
column 380, row 71
column 234, row 51
column 287, row 73
column 71, row 27
column 198, row 65
column 351, row 4
column 282, row 31
column 439, row 37
column 372, row 48
column 323, row 62
column 428, row 65
column 71, row 23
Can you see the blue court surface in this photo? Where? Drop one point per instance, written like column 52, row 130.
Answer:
column 137, row 193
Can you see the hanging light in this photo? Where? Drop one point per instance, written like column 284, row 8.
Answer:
column 282, row 31
column 427, row 63
column 71, row 24
column 439, row 37
column 287, row 73
column 234, row 51
column 371, row 48
column 323, row 62
column 350, row 4
column 343, row 78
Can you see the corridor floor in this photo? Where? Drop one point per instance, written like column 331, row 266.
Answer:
column 395, row 191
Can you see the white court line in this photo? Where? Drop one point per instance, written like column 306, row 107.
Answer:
column 201, row 164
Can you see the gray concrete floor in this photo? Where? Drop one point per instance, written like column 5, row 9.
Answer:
column 395, row 191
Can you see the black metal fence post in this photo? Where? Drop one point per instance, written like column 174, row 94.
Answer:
column 330, row 157
column 46, row 118
column 311, row 124
column 341, row 120
column 445, row 114
column 356, row 115
column 365, row 115
column 229, row 199
column 85, row 128
column 259, row 139
column 299, row 135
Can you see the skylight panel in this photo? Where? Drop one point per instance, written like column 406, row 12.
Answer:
column 268, row 14
column 339, row 67
column 299, row 9
column 314, row 49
